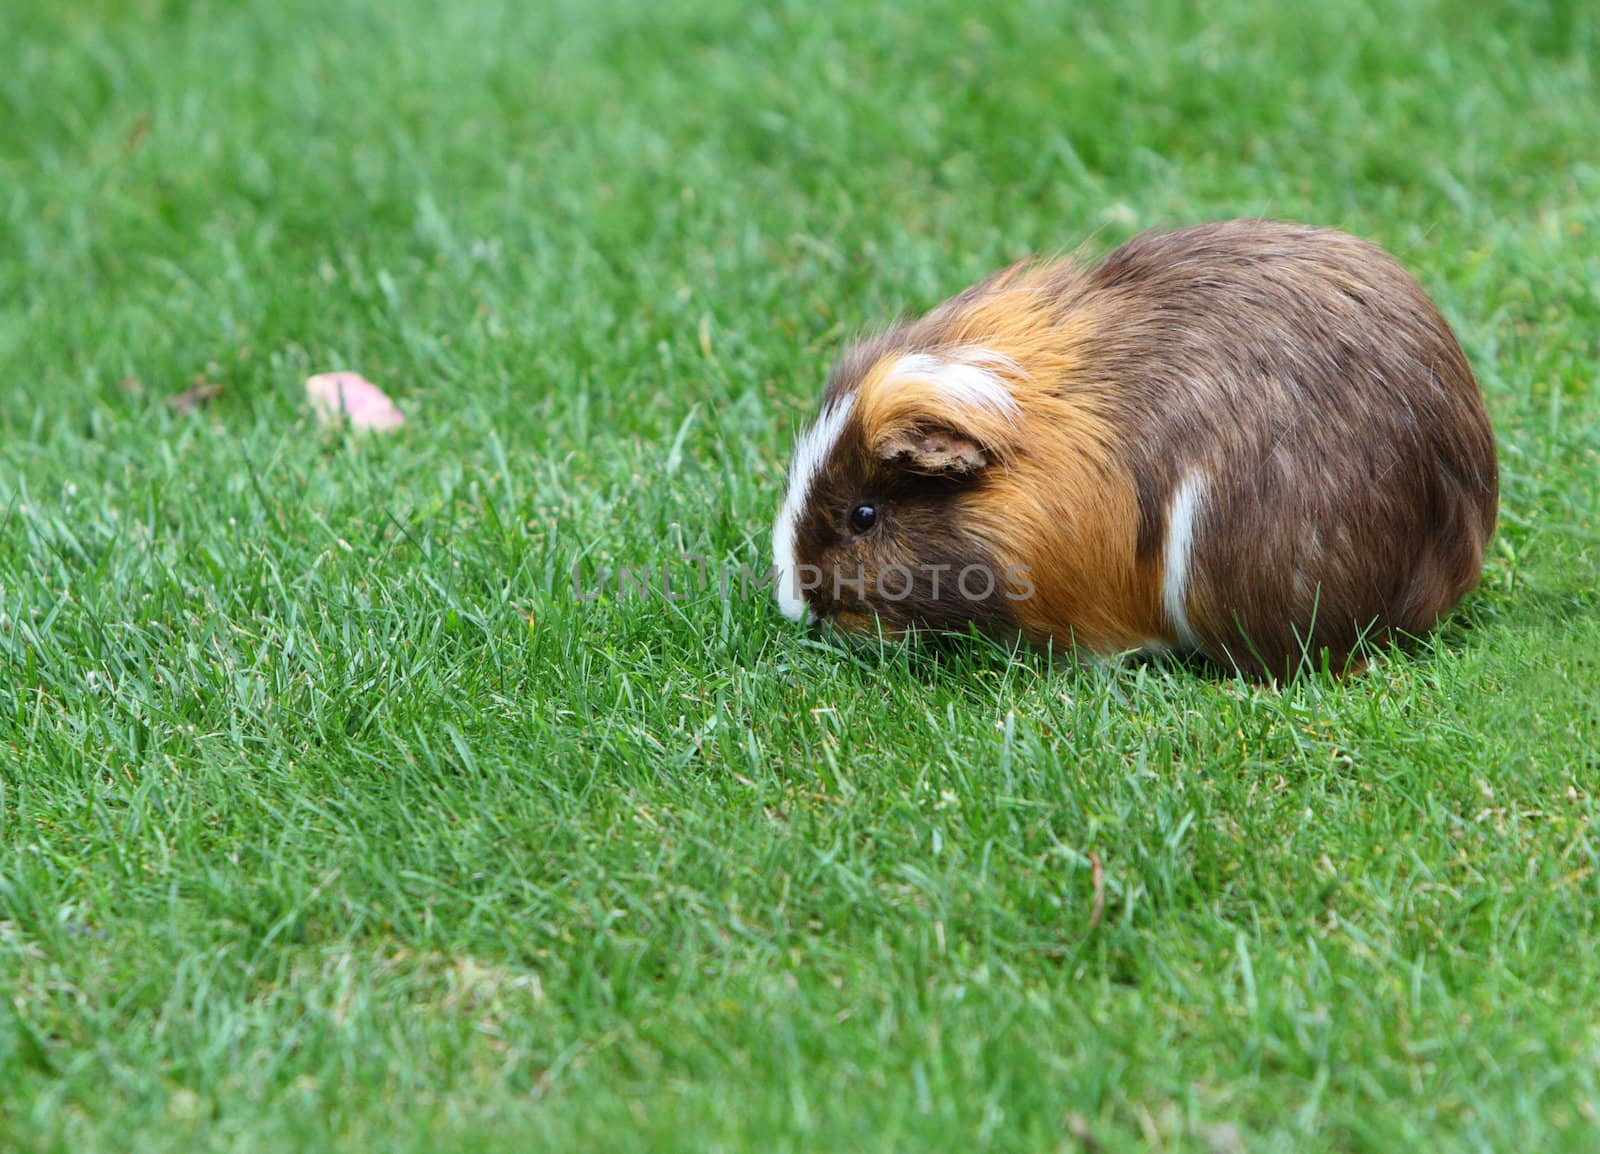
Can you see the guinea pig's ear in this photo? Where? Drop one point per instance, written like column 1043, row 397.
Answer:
column 936, row 452
column 945, row 415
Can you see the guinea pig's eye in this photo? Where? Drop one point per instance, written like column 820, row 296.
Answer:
column 863, row 517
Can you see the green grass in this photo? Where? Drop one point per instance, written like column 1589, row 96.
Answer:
column 311, row 839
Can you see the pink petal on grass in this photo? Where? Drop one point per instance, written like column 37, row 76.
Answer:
column 354, row 398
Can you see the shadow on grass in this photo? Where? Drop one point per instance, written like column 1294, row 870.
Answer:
column 964, row 657
column 956, row 658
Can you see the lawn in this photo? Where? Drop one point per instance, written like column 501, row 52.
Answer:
column 333, row 818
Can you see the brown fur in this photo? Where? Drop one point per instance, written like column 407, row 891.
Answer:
column 1349, row 480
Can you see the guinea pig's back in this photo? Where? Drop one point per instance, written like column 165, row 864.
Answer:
column 1311, row 451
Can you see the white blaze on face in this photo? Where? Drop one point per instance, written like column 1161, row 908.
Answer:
column 809, row 453
column 1182, row 513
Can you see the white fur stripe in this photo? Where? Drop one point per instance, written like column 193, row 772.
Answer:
column 1182, row 512
column 969, row 375
column 810, row 452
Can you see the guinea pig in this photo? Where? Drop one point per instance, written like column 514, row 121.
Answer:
column 1253, row 440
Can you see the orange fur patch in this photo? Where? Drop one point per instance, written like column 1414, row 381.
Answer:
column 1054, row 501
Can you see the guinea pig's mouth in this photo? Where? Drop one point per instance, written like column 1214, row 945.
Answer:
column 855, row 627
column 796, row 588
